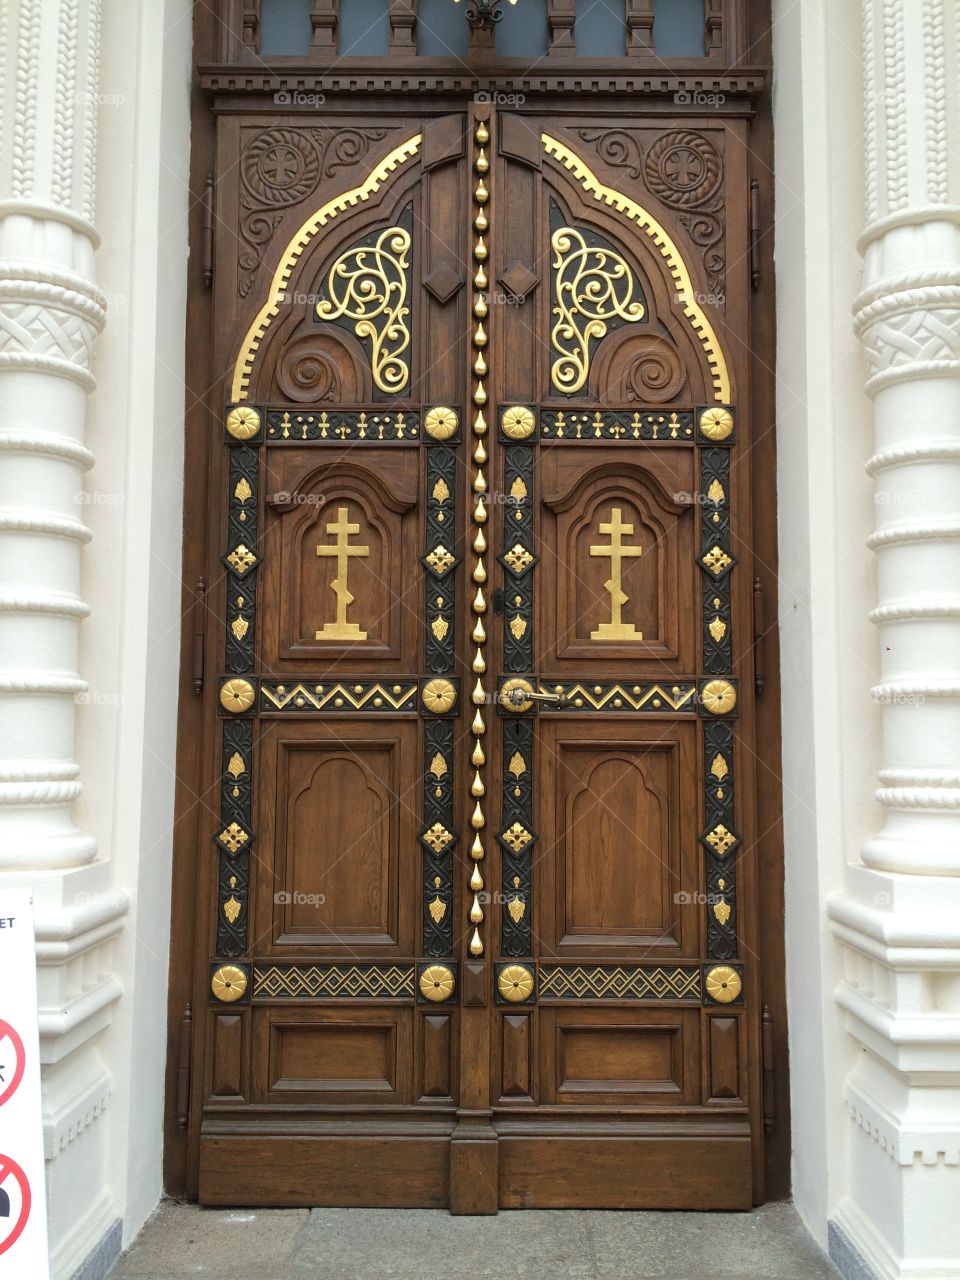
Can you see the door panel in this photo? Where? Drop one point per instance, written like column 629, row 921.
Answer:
column 481, row 918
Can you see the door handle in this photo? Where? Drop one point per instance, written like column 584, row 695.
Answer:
column 518, row 694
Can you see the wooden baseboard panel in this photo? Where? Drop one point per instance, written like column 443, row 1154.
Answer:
column 552, row 1172
column 400, row 1172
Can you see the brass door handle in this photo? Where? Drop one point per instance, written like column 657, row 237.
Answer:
column 551, row 699
column 518, row 694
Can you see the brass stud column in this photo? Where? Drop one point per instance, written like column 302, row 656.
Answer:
column 478, row 377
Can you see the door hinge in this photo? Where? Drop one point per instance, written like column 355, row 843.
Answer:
column 759, row 676
column 206, row 241
column 755, row 232
column 769, row 1078
column 183, row 1068
column 199, row 628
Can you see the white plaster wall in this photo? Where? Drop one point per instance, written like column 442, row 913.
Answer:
column 131, row 575
column 831, row 734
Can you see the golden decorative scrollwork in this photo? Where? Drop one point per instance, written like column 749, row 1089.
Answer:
column 665, row 246
column 593, row 285
column 368, row 284
column 291, row 256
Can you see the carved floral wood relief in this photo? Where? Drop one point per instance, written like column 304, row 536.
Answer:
column 281, row 167
column 684, row 170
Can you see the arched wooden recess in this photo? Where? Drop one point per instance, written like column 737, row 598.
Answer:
column 483, row 889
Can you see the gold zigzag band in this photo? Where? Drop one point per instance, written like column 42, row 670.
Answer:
column 668, row 251
column 620, row 983
column 619, row 696
column 281, row 278
column 333, row 981
column 340, row 695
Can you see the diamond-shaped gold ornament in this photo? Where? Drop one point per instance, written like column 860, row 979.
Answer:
column 720, row 839
column 437, row 837
column 440, row 559
column 517, row 837
column 233, row 837
column 518, row 558
column 242, row 558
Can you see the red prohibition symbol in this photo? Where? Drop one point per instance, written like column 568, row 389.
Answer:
column 16, row 1067
column 10, row 1169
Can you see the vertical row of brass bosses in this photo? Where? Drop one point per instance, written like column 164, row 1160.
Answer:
column 478, row 356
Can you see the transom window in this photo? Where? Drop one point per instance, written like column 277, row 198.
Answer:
column 317, row 30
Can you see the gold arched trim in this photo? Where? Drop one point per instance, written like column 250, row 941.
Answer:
column 288, row 260
column 668, row 251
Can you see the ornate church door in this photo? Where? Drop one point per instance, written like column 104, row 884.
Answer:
column 475, row 874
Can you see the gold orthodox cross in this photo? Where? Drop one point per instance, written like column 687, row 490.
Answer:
column 342, row 529
column 616, row 629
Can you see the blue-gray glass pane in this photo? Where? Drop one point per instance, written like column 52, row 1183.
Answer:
column 523, row 31
column 284, row 28
column 601, row 29
column 364, row 30
column 442, row 30
column 678, row 28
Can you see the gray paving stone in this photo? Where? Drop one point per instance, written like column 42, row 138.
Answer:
column 182, row 1239
column 182, row 1242
column 770, row 1243
column 366, row 1244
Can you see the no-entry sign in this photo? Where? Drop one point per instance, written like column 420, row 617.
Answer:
column 23, row 1220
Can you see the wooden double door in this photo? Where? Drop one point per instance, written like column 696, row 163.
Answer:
column 476, row 897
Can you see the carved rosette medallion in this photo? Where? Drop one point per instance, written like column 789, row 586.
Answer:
column 723, row 984
column 281, row 167
column 515, row 983
column 436, row 983
column 228, row 983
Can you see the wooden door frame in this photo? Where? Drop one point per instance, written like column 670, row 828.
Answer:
column 747, row 90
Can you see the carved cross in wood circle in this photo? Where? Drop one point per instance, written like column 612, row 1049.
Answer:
column 281, row 164
column 683, row 167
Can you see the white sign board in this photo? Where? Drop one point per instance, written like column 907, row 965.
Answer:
column 23, row 1214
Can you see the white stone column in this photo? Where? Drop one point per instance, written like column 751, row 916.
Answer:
column 50, row 316
column 898, row 918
